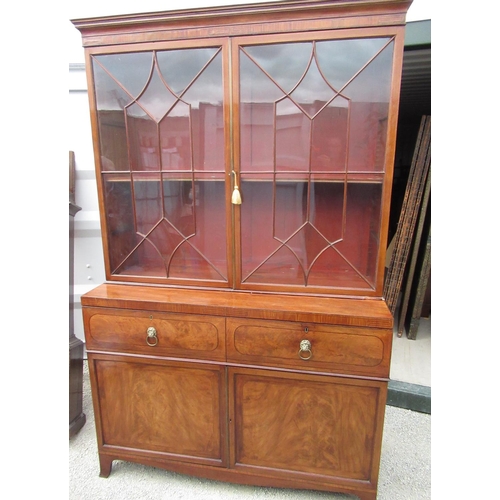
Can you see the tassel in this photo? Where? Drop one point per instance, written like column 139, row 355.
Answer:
column 236, row 197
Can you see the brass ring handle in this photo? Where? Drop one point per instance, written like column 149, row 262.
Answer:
column 305, row 347
column 151, row 338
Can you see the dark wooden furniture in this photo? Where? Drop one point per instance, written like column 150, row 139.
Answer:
column 76, row 416
column 244, row 164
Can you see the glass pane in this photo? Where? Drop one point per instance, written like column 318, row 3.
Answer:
column 120, row 224
column 202, row 254
column 360, row 242
column 181, row 237
column 205, row 97
column 110, row 99
column 369, row 113
column 175, row 138
column 157, row 99
column 258, row 95
column 293, row 129
column 191, row 61
column 341, row 60
column 256, row 219
column 285, row 63
column 290, row 209
column 313, row 92
column 147, row 201
column 329, row 137
column 118, row 66
column 327, row 210
column 178, row 206
column 208, row 139
column 142, row 133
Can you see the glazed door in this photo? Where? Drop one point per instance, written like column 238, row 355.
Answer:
column 160, row 409
column 162, row 123
column 304, row 127
column 296, row 424
column 313, row 160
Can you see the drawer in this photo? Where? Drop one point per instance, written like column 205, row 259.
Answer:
column 155, row 333
column 320, row 347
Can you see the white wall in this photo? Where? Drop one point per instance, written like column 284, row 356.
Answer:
column 88, row 259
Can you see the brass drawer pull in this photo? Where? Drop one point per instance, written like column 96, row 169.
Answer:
column 305, row 347
column 151, row 338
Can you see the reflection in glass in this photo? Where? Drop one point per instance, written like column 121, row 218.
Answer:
column 142, row 143
column 175, row 138
column 318, row 230
column 285, row 63
column 111, row 99
column 191, row 61
column 313, row 91
column 120, row 223
column 207, row 119
column 341, row 60
column 292, row 125
column 156, row 99
column 118, row 67
column 147, row 201
column 257, row 94
column 329, row 137
column 369, row 113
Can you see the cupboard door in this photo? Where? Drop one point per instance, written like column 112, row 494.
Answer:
column 168, row 410
column 313, row 115
column 162, row 156
column 296, row 424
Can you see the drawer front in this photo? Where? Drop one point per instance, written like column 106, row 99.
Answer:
column 153, row 333
column 331, row 348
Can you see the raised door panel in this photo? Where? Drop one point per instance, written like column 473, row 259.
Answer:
column 291, row 425
column 165, row 410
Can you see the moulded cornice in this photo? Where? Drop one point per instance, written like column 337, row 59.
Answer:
column 239, row 14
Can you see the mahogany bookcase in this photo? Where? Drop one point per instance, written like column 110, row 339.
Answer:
column 244, row 161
